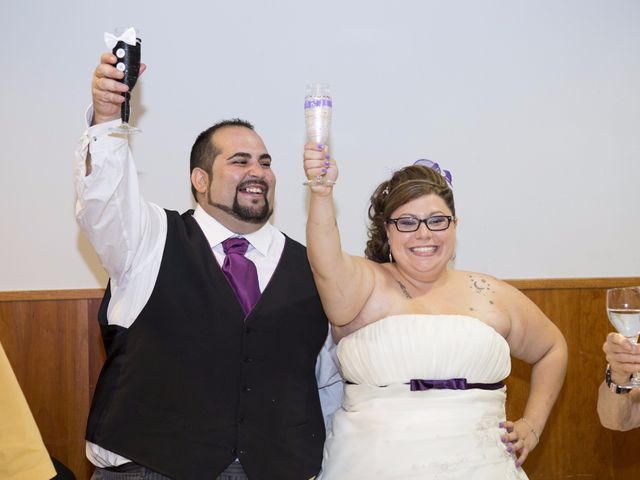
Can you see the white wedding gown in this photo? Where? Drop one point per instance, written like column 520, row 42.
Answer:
column 385, row 431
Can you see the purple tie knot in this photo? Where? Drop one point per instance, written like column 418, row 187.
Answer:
column 237, row 245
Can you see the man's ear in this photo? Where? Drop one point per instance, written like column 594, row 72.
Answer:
column 199, row 180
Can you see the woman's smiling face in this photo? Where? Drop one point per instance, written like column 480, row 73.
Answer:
column 423, row 254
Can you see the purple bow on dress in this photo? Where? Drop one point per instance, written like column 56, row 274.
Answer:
column 451, row 384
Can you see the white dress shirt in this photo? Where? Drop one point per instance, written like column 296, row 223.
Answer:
column 129, row 234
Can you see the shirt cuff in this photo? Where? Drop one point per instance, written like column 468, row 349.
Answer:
column 100, row 136
column 96, row 139
column 94, row 133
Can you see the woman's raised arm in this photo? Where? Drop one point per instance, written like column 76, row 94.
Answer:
column 344, row 282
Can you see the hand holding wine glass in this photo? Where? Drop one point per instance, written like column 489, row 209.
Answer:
column 318, row 106
column 623, row 309
column 126, row 46
column 319, row 168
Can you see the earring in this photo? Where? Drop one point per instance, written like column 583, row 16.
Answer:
column 390, row 257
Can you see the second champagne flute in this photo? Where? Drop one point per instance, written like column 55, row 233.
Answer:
column 623, row 309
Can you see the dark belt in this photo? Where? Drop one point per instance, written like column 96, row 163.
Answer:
column 129, row 467
column 418, row 385
column 132, row 467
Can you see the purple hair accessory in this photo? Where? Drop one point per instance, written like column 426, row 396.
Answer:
column 434, row 166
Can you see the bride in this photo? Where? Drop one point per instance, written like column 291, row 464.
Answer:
column 424, row 348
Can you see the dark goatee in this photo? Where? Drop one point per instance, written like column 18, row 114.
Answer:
column 249, row 214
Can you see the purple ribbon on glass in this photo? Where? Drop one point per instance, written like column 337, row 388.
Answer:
column 241, row 272
column 418, row 385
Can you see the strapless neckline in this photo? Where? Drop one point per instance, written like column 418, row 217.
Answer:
column 428, row 315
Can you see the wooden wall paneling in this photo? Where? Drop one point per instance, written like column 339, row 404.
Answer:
column 548, row 455
column 46, row 343
column 53, row 342
column 624, row 454
column 97, row 354
column 574, row 444
column 587, row 333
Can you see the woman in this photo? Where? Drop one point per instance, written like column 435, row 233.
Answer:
column 423, row 347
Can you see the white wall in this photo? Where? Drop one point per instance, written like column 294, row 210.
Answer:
column 534, row 106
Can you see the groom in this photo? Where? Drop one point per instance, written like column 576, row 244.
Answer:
column 202, row 379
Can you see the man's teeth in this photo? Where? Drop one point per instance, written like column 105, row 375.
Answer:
column 424, row 249
column 253, row 190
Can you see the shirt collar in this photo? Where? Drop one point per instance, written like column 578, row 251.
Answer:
column 216, row 233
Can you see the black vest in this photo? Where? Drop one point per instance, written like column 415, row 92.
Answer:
column 193, row 385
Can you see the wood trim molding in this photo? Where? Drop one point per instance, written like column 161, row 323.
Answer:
column 521, row 284
column 574, row 283
column 37, row 295
column 34, row 324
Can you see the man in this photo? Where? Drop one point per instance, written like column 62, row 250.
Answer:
column 618, row 405
column 200, row 381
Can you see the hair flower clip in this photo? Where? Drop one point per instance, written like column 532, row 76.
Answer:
column 434, row 166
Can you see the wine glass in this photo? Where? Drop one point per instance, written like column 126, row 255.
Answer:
column 127, row 49
column 623, row 309
column 317, row 114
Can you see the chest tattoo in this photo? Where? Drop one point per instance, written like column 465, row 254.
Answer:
column 481, row 287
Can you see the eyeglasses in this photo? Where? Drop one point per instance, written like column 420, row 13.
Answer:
column 436, row 223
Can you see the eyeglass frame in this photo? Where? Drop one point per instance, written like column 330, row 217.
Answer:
column 450, row 219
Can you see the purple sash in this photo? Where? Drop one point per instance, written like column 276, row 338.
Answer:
column 418, row 385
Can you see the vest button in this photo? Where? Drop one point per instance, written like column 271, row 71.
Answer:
column 246, row 388
column 247, row 330
column 242, row 452
column 240, row 420
column 248, row 359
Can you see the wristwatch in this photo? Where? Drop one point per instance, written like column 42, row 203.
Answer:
column 619, row 389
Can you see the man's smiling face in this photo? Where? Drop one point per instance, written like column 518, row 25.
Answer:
column 241, row 183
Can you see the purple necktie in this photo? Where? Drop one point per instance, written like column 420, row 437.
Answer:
column 241, row 272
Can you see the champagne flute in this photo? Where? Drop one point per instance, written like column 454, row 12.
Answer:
column 623, row 309
column 127, row 50
column 317, row 114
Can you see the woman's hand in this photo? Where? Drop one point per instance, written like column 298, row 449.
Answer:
column 319, row 164
column 520, row 439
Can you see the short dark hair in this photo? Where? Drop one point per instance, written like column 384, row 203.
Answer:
column 203, row 151
column 404, row 186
